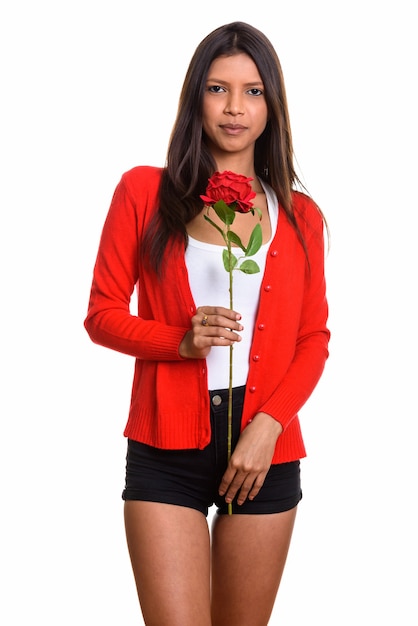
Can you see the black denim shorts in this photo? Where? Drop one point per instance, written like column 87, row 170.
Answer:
column 192, row 477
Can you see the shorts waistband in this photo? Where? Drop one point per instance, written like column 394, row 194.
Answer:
column 219, row 396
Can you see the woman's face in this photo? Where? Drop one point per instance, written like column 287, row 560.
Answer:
column 234, row 107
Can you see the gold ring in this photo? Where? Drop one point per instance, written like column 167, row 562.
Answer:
column 205, row 321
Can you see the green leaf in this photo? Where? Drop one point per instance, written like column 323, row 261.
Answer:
column 249, row 267
column 224, row 212
column 216, row 226
column 230, row 261
column 255, row 241
column 259, row 212
column 233, row 238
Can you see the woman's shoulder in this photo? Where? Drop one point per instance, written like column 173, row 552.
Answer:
column 303, row 202
column 143, row 177
column 306, row 209
column 138, row 188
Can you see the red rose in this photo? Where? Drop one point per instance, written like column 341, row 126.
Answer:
column 233, row 189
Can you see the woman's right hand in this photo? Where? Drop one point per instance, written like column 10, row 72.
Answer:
column 211, row 326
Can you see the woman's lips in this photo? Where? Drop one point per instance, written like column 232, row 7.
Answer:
column 233, row 129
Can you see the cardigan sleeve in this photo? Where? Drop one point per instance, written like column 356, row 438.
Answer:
column 109, row 321
column 311, row 348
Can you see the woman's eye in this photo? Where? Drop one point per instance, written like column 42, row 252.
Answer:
column 215, row 89
column 255, row 91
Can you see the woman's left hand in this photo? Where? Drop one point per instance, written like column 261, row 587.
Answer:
column 251, row 459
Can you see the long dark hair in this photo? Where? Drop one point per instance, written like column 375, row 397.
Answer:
column 189, row 162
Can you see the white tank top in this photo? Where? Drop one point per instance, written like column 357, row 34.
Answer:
column 209, row 283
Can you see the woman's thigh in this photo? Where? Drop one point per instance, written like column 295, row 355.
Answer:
column 169, row 548
column 248, row 557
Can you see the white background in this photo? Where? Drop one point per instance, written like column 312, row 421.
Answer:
column 89, row 90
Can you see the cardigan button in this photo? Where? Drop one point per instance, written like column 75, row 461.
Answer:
column 261, row 326
column 274, row 253
column 267, row 287
column 256, row 357
column 252, row 389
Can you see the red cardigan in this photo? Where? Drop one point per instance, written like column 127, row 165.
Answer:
column 170, row 402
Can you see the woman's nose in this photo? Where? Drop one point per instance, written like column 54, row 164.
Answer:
column 234, row 105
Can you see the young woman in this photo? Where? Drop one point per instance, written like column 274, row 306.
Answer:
column 233, row 117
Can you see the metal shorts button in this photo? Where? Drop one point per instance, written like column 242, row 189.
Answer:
column 216, row 400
